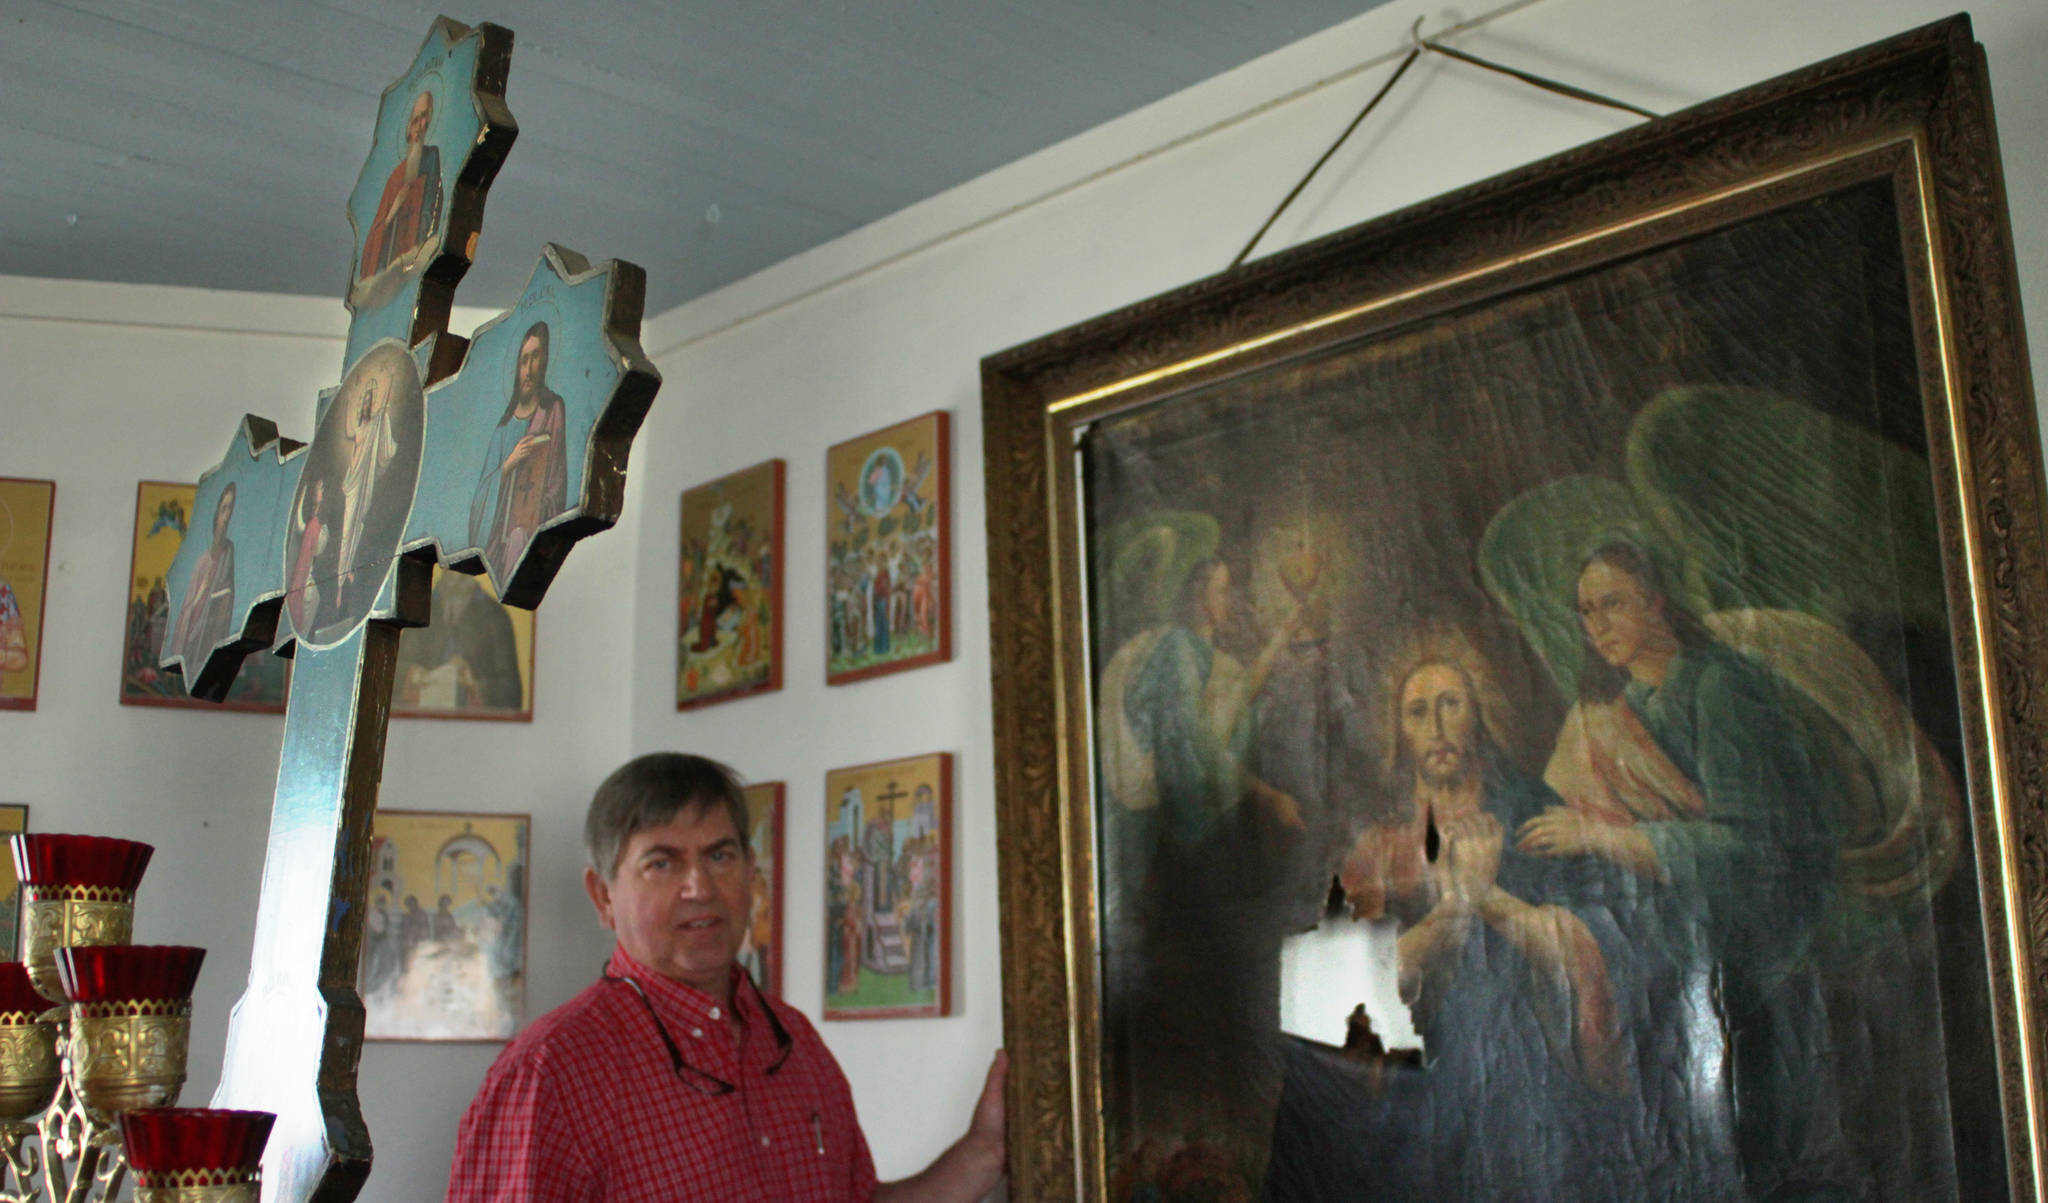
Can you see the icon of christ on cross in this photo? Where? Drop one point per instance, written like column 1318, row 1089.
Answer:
column 491, row 455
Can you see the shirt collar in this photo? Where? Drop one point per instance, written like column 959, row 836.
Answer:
column 678, row 1003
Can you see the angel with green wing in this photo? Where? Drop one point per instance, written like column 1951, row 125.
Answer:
column 1749, row 764
column 1194, row 838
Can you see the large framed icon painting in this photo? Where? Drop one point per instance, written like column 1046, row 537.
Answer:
column 1616, row 590
column 729, row 587
column 25, row 507
column 444, row 940
column 889, row 550
column 162, row 509
column 888, row 889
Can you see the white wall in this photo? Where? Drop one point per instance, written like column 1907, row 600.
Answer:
column 887, row 322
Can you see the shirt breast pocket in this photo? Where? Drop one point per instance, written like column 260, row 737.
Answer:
column 804, row 1123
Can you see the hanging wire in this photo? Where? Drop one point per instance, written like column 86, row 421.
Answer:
column 1418, row 44
column 1527, row 77
column 1370, row 105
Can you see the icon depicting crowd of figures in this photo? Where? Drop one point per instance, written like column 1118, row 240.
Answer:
column 887, row 549
column 444, row 943
column 729, row 593
column 886, row 873
column 1622, row 688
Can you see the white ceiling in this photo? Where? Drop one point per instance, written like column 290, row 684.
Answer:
column 212, row 143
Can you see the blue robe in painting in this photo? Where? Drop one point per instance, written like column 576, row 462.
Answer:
column 1501, row 1109
column 1746, row 886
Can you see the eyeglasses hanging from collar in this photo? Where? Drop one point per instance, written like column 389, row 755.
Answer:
column 697, row 1079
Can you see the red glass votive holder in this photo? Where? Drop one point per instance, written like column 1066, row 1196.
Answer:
column 191, row 1153
column 18, row 995
column 78, row 889
column 43, row 858
column 124, row 972
column 131, row 1022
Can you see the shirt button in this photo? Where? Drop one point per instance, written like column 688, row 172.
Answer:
column 714, row 1012
column 697, row 1032
column 764, row 1142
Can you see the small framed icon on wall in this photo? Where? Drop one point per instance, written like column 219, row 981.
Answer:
column 888, row 889
column 888, row 545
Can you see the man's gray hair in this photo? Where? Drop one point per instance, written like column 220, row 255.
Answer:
column 647, row 791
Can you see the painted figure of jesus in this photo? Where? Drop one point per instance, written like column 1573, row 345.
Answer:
column 525, row 475
column 372, row 445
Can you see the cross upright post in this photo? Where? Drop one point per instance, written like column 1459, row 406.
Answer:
column 490, row 455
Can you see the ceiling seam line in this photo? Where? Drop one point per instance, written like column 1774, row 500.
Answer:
column 1054, row 193
column 173, row 327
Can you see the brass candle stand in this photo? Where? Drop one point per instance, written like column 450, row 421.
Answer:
column 65, row 1152
column 112, row 1048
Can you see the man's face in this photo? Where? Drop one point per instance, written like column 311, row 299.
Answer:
column 679, row 898
column 1621, row 619
column 533, row 365
column 1439, row 724
column 416, row 124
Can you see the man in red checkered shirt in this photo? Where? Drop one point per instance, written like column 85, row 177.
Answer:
column 672, row 1078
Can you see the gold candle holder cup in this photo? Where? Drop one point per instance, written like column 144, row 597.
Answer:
column 78, row 890
column 198, row 1186
column 70, row 916
column 131, row 1023
column 130, row 1053
column 29, row 1069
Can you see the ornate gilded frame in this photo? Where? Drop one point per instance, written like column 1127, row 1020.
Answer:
column 1920, row 103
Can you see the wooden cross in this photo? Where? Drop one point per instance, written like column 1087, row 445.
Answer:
column 492, row 455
